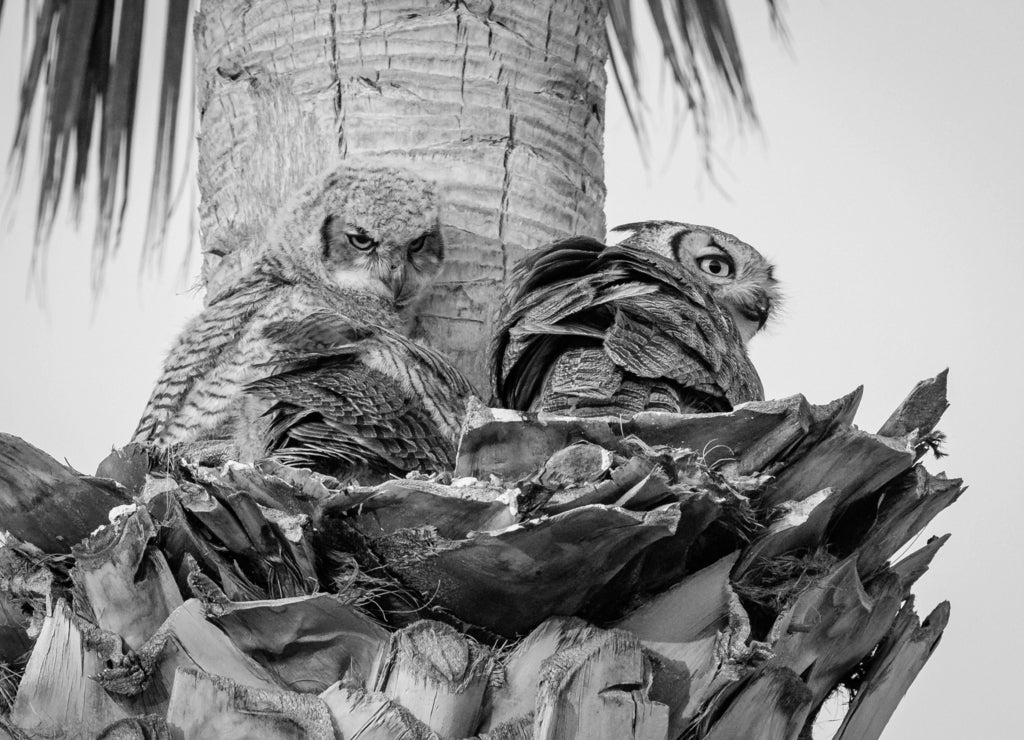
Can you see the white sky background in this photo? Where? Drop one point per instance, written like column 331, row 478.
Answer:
column 887, row 188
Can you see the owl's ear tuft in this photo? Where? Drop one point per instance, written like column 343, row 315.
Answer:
column 329, row 233
column 435, row 242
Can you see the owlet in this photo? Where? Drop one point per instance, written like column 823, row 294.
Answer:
column 379, row 406
column 656, row 323
column 354, row 248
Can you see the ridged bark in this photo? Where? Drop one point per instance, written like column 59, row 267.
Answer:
column 502, row 102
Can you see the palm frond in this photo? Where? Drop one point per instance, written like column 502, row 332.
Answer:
column 778, row 22
column 700, row 49
column 620, row 21
column 118, row 124
column 83, row 69
column 170, row 92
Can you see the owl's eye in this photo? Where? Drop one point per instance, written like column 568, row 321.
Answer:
column 717, row 266
column 359, row 240
column 417, row 244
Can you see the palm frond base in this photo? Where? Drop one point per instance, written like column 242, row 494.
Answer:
column 664, row 576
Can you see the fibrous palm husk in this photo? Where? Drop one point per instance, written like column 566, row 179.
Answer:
column 663, row 576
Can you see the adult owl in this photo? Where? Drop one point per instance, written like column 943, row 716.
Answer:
column 656, row 322
column 355, row 247
column 739, row 276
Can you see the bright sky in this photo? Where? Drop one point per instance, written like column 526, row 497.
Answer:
column 886, row 187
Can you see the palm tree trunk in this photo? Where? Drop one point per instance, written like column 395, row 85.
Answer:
column 502, row 102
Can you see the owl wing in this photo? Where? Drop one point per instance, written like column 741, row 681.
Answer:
column 336, row 412
column 209, row 337
column 679, row 331
column 313, row 331
column 324, row 331
column 541, row 293
column 429, row 363
column 615, row 330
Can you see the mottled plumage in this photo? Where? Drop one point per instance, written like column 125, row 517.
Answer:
column 356, row 246
column 739, row 276
column 381, row 405
column 591, row 330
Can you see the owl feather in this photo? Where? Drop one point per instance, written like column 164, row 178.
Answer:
column 589, row 330
column 740, row 278
column 382, row 405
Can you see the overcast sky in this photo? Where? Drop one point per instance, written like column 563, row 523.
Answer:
column 886, row 186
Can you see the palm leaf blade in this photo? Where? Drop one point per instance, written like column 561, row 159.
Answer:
column 30, row 83
column 84, row 65
column 680, row 61
column 620, row 17
column 97, row 75
column 69, row 71
column 118, row 123
column 699, row 47
column 719, row 38
column 176, row 29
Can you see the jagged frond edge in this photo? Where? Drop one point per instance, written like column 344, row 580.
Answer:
column 79, row 68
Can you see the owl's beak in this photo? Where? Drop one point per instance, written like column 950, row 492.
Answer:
column 757, row 309
column 751, row 313
column 397, row 280
column 764, row 309
column 390, row 272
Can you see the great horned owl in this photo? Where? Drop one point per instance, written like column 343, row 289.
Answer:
column 358, row 244
column 657, row 322
column 380, row 405
column 740, row 278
